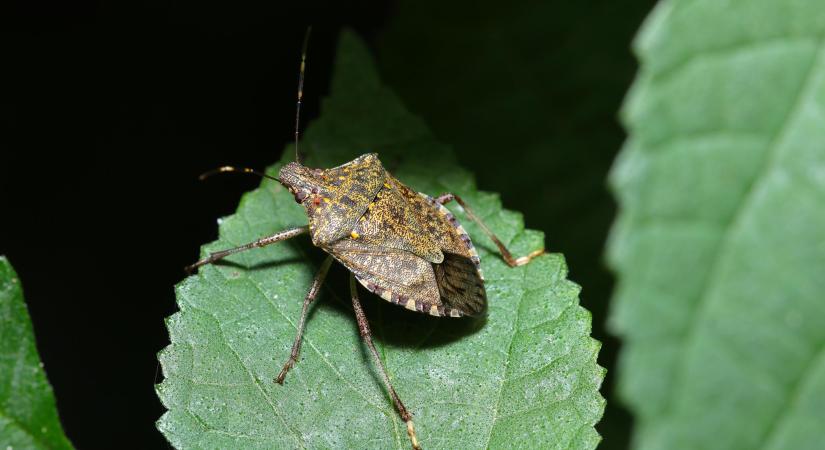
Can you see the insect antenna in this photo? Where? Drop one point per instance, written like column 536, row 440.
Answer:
column 225, row 169
column 301, row 91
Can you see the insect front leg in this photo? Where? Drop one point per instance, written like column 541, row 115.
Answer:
column 505, row 253
column 364, row 329
column 310, row 297
column 277, row 237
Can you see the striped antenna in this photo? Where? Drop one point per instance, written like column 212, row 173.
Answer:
column 226, row 169
column 301, row 91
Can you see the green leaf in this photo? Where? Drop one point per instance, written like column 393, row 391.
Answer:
column 525, row 376
column 720, row 245
column 28, row 415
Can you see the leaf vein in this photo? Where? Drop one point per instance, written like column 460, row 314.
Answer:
column 793, row 397
column 734, row 224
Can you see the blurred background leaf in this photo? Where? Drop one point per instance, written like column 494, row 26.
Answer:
column 524, row 376
column 28, row 416
column 527, row 93
column 720, row 243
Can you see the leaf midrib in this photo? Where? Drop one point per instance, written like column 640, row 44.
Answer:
column 730, row 231
column 793, row 396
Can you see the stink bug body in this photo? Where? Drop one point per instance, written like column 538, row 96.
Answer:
column 402, row 245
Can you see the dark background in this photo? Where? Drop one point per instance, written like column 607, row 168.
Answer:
column 112, row 110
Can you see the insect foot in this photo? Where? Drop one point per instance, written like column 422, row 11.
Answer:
column 280, row 378
column 522, row 260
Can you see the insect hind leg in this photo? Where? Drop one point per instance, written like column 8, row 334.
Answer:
column 505, row 253
column 364, row 329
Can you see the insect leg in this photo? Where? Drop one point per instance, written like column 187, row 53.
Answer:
column 277, row 237
column 313, row 292
column 508, row 257
column 364, row 329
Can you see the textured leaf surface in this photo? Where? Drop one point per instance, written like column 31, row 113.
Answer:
column 720, row 245
column 525, row 376
column 28, row 415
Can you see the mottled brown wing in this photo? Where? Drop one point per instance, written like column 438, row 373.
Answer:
column 459, row 277
column 460, row 286
column 395, row 275
column 453, row 287
column 390, row 221
column 446, row 289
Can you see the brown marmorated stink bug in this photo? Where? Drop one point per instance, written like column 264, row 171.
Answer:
column 402, row 245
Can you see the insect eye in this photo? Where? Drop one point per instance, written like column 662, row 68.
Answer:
column 300, row 196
